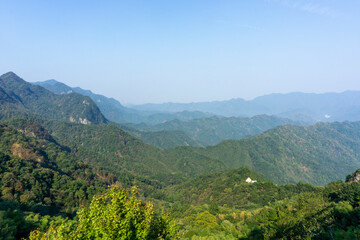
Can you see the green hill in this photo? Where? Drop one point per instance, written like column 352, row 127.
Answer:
column 21, row 99
column 318, row 154
column 40, row 181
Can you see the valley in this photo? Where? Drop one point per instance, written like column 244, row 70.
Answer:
column 64, row 149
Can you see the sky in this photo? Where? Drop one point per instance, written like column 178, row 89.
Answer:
column 155, row 51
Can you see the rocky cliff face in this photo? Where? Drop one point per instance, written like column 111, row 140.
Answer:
column 355, row 177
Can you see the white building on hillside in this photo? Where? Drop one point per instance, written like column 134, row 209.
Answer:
column 248, row 180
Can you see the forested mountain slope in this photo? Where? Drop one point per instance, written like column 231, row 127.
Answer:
column 212, row 130
column 54, row 170
column 318, row 153
column 20, row 98
column 39, row 177
column 110, row 148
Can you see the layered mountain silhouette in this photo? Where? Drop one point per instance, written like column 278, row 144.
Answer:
column 298, row 106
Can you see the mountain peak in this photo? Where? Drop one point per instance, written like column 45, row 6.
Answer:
column 9, row 75
column 11, row 79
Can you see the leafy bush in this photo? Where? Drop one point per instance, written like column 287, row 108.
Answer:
column 113, row 215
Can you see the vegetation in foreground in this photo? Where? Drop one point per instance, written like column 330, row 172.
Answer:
column 52, row 184
column 113, row 215
column 332, row 213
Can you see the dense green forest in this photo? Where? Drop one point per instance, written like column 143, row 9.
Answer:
column 66, row 180
column 47, row 177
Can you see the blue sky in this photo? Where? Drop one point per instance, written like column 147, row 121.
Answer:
column 184, row 51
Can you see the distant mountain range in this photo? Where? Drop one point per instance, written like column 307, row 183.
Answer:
column 308, row 107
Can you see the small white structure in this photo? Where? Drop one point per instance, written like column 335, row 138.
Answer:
column 248, row 180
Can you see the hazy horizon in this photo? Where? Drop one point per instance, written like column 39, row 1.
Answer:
column 190, row 51
column 213, row 100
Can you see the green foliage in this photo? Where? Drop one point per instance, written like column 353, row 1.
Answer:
column 12, row 224
column 311, row 215
column 301, row 218
column 40, row 175
column 113, row 215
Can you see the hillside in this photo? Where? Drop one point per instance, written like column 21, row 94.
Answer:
column 43, row 182
column 318, row 153
column 304, row 211
column 21, row 99
column 40, row 181
column 110, row 148
column 55, row 167
column 286, row 154
column 212, row 130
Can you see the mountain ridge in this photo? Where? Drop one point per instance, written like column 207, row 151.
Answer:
column 317, row 107
column 114, row 110
column 25, row 99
